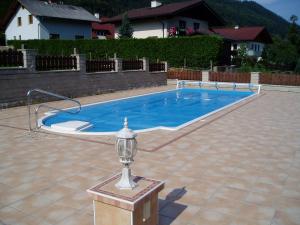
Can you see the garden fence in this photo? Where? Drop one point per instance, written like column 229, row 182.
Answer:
column 279, row 79
column 45, row 63
column 230, row 77
column 132, row 64
column 100, row 65
column 184, row 74
column 156, row 67
column 11, row 58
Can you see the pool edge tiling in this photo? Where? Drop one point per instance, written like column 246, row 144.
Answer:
column 153, row 107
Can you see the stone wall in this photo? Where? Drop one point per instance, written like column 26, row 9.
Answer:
column 15, row 83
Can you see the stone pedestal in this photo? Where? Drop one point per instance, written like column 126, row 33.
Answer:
column 126, row 207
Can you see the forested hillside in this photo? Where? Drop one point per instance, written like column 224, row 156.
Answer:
column 243, row 13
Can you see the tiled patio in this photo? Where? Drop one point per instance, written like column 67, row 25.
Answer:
column 238, row 167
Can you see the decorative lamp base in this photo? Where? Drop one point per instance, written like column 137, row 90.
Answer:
column 126, row 182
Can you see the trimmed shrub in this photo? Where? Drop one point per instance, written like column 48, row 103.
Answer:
column 2, row 39
column 297, row 68
column 194, row 51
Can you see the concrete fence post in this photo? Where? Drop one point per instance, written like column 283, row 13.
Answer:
column 205, row 75
column 118, row 64
column 29, row 58
column 145, row 64
column 254, row 77
column 81, row 62
column 166, row 66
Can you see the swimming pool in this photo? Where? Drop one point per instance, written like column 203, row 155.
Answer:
column 170, row 110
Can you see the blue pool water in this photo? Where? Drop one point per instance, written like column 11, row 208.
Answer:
column 166, row 109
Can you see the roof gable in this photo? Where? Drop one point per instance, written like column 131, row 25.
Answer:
column 259, row 34
column 165, row 10
column 44, row 9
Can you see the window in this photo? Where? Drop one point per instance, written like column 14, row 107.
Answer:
column 196, row 26
column 19, row 21
column 258, row 47
column 30, row 19
column 54, row 36
column 78, row 37
column 235, row 46
column 182, row 24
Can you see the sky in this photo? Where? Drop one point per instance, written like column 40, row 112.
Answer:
column 284, row 8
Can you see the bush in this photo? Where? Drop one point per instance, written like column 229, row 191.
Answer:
column 196, row 51
column 2, row 39
column 297, row 68
column 281, row 54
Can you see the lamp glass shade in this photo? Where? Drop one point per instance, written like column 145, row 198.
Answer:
column 127, row 149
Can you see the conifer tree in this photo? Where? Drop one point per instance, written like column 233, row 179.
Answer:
column 125, row 30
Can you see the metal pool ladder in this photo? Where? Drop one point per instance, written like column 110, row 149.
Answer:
column 44, row 105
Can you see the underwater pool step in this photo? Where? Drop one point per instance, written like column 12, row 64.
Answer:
column 73, row 125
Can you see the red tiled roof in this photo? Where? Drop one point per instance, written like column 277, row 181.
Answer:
column 110, row 28
column 245, row 34
column 163, row 10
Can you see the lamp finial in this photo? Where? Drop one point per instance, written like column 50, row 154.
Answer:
column 125, row 122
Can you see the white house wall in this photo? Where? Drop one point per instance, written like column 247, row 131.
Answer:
column 146, row 29
column 160, row 28
column 67, row 29
column 251, row 49
column 41, row 28
column 189, row 23
column 25, row 31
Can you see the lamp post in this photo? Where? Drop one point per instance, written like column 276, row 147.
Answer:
column 126, row 146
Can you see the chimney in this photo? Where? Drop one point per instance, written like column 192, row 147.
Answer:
column 155, row 4
column 236, row 27
column 97, row 15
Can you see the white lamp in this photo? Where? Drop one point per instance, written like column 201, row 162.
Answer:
column 126, row 146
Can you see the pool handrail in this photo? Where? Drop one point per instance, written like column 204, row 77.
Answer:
column 43, row 105
column 182, row 83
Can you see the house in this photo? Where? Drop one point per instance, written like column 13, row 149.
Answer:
column 164, row 20
column 254, row 38
column 103, row 31
column 34, row 19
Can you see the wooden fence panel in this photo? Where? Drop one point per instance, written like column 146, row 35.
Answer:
column 11, row 58
column 100, row 65
column 132, row 64
column 46, row 63
column 279, row 79
column 184, row 74
column 230, row 77
column 156, row 67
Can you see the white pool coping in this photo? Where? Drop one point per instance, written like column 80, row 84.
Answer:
column 53, row 113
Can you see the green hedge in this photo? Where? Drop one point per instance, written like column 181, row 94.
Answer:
column 2, row 39
column 197, row 51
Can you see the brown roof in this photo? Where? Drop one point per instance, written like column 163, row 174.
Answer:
column 259, row 34
column 164, row 10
